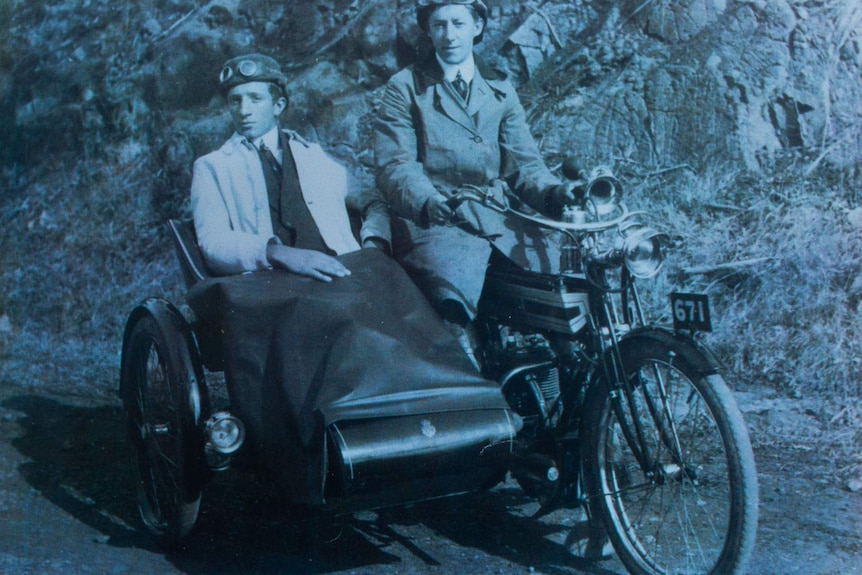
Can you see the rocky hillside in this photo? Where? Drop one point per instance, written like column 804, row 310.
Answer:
column 739, row 122
column 656, row 82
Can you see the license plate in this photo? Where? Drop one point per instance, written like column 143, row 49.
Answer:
column 690, row 311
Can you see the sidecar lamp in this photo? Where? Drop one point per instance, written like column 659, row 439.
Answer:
column 225, row 433
column 642, row 252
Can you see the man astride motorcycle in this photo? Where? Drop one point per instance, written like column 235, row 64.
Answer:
column 449, row 120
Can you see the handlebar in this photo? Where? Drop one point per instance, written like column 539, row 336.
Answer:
column 471, row 193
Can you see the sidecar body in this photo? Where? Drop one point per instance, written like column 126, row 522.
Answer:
column 351, row 394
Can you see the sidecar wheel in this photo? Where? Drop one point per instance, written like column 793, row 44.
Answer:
column 683, row 499
column 162, row 404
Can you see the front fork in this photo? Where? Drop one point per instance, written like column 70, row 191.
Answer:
column 622, row 389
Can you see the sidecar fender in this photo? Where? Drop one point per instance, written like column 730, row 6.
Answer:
column 183, row 346
column 700, row 357
column 170, row 320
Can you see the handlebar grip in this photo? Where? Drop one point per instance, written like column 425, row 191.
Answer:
column 453, row 202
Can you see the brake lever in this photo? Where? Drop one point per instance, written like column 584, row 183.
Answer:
column 461, row 195
column 474, row 193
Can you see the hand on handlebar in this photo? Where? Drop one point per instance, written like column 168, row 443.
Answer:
column 440, row 211
column 564, row 193
column 567, row 194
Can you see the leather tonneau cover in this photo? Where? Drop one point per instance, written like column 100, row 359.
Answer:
column 301, row 354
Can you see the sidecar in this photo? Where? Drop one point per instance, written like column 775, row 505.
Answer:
column 346, row 406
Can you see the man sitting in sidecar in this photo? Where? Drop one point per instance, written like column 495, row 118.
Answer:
column 352, row 391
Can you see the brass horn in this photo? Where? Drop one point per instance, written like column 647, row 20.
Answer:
column 603, row 190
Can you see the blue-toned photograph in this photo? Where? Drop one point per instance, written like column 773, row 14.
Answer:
column 343, row 287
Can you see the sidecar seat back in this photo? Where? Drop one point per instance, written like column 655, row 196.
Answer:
column 191, row 259
column 194, row 269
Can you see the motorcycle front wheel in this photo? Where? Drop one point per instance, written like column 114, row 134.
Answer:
column 669, row 467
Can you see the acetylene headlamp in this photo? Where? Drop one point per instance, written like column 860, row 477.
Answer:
column 642, row 250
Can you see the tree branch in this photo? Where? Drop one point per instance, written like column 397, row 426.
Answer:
column 725, row 266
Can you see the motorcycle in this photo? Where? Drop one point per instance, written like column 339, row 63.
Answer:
column 587, row 405
column 632, row 421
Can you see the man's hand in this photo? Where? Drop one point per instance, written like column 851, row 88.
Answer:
column 565, row 194
column 309, row 263
column 439, row 212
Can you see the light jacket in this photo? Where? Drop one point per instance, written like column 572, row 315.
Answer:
column 426, row 142
column 231, row 208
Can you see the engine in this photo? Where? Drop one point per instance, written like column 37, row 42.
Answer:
column 531, row 380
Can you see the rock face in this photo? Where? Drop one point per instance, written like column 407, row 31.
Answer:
column 660, row 82
column 688, row 81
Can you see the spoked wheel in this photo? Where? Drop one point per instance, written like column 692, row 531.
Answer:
column 163, row 406
column 678, row 492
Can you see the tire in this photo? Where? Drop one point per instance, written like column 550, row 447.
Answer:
column 695, row 514
column 162, row 404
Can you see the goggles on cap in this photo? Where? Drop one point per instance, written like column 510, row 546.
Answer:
column 251, row 68
column 245, row 68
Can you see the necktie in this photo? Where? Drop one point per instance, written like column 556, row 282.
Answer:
column 272, row 174
column 270, row 163
column 292, row 221
column 461, row 86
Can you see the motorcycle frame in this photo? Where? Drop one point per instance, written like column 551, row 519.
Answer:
column 615, row 312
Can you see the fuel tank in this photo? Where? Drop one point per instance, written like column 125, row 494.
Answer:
column 534, row 300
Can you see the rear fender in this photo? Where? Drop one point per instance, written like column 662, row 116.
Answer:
column 167, row 316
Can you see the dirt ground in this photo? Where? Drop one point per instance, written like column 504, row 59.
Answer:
column 66, row 507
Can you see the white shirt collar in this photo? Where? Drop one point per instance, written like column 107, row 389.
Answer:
column 271, row 141
column 450, row 71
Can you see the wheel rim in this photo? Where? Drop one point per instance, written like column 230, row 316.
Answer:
column 155, row 432
column 675, row 516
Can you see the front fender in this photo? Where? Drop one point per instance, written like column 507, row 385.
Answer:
column 699, row 356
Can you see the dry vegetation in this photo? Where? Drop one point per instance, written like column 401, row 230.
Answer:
column 780, row 255
column 80, row 247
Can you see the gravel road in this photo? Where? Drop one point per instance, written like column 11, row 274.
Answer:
column 66, row 507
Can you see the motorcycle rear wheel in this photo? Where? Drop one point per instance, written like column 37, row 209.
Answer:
column 683, row 499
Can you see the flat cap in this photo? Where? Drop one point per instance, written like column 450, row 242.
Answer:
column 425, row 7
